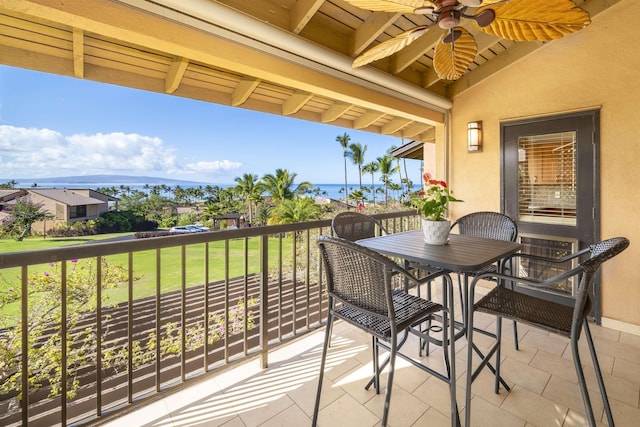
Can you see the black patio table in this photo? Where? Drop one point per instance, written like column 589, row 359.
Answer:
column 463, row 254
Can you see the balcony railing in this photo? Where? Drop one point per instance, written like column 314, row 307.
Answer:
column 165, row 327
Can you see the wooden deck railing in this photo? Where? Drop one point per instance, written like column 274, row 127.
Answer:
column 276, row 299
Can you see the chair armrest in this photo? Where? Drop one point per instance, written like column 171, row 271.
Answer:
column 503, row 278
column 429, row 277
column 548, row 259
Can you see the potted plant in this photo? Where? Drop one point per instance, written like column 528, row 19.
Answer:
column 432, row 203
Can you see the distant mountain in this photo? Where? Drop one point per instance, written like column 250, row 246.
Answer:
column 104, row 179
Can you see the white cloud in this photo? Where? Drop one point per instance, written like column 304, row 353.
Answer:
column 44, row 153
column 216, row 167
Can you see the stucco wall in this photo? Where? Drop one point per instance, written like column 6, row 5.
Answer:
column 597, row 67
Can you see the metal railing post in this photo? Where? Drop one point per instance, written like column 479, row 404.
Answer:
column 264, row 300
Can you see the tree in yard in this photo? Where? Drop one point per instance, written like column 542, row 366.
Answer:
column 344, row 143
column 9, row 184
column 279, row 185
column 300, row 209
column 356, row 153
column 109, row 191
column 372, row 168
column 23, row 214
column 179, row 195
column 44, row 326
column 250, row 189
column 386, row 167
column 357, row 196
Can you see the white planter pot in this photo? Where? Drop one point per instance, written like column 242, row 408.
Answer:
column 436, row 232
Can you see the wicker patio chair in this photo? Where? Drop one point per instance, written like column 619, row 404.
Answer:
column 360, row 292
column 532, row 308
column 489, row 225
column 354, row 226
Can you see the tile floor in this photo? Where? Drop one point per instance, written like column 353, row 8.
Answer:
column 544, row 386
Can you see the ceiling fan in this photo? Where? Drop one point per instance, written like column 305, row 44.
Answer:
column 517, row 20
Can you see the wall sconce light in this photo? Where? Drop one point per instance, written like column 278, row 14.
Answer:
column 474, row 137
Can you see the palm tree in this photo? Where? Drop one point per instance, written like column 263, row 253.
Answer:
column 125, row 189
column 24, row 213
column 386, row 167
column 12, row 184
column 397, row 188
column 344, row 143
column 279, row 185
column 357, row 196
column 356, row 153
column 179, row 195
column 372, row 168
column 299, row 209
column 250, row 189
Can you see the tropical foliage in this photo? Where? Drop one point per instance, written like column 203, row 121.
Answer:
column 22, row 214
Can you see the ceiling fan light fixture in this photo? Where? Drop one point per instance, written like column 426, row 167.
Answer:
column 452, row 36
column 449, row 19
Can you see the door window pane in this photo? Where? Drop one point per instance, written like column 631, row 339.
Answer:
column 547, row 178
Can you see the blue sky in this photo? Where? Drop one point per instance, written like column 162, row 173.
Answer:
column 54, row 126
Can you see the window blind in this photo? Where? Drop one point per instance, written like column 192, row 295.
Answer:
column 547, row 178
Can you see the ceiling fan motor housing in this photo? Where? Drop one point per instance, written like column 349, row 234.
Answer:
column 449, row 19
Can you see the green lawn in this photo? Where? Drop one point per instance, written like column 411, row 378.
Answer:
column 144, row 264
column 36, row 243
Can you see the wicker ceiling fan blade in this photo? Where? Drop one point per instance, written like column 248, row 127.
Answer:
column 389, row 47
column 484, row 17
column 402, row 6
column 537, row 20
column 450, row 61
column 478, row 3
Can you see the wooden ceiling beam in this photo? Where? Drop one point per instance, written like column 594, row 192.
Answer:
column 334, row 112
column 414, row 129
column 295, row 102
column 395, row 125
column 243, row 90
column 176, row 73
column 430, row 78
column 429, row 134
column 367, row 119
column 370, row 29
column 301, row 14
column 78, row 53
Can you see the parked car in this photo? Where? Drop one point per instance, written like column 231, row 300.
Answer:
column 189, row 229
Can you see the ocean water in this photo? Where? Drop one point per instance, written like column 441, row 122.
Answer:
column 333, row 191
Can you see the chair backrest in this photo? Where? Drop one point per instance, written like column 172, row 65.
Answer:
column 354, row 226
column 490, row 225
column 600, row 252
column 358, row 276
